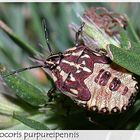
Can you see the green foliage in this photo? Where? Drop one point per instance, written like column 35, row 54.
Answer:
column 124, row 58
column 128, row 55
column 26, row 47
column 26, row 91
column 15, row 47
column 29, row 122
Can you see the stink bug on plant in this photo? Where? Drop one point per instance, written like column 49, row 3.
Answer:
column 89, row 78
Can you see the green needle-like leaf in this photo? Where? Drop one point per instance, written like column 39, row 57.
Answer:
column 26, row 90
column 132, row 31
column 29, row 122
column 26, row 47
column 37, row 26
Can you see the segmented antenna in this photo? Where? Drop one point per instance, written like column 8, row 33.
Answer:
column 46, row 35
column 23, row 69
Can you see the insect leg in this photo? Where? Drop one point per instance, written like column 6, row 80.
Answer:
column 50, row 93
column 78, row 33
column 101, row 51
column 51, row 96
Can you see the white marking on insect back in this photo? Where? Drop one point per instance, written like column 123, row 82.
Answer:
column 78, row 71
column 74, row 91
column 72, row 78
column 64, row 75
column 83, row 62
column 78, row 66
column 85, row 56
column 77, row 53
column 58, row 67
column 86, row 69
column 72, row 49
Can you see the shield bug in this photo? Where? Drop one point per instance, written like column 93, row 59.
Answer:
column 89, row 78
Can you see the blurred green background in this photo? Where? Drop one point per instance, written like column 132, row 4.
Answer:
column 24, row 19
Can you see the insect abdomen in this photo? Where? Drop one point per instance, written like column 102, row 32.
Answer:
column 111, row 90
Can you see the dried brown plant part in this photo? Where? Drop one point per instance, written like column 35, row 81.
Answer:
column 109, row 21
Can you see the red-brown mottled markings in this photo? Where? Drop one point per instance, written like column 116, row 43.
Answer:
column 98, row 76
column 103, row 77
column 115, row 84
column 125, row 90
column 79, row 68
